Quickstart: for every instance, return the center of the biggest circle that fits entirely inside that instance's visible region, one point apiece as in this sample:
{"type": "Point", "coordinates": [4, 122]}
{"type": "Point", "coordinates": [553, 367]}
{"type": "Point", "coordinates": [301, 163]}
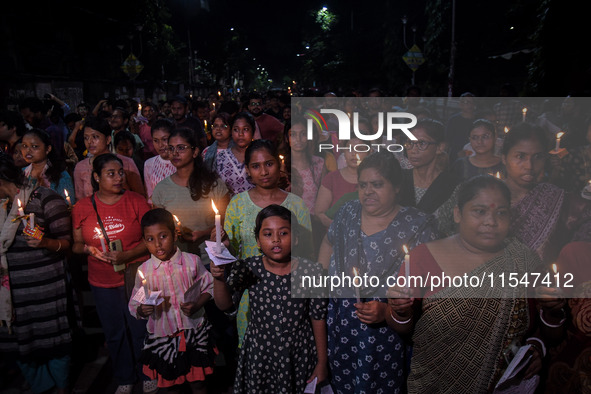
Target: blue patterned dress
{"type": "Point", "coordinates": [369, 358]}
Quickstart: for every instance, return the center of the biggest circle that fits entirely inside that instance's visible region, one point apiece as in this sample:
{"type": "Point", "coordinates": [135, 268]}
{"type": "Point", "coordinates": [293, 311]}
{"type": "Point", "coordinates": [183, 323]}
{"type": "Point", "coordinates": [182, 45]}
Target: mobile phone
{"type": "Point", "coordinates": [117, 246]}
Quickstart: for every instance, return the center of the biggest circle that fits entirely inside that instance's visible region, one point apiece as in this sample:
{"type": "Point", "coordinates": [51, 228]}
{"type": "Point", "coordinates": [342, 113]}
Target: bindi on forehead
{"type": "Point", "coordinates": [493, 205]}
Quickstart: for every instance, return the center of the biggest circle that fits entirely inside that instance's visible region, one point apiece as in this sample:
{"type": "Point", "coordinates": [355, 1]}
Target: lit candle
{"type": "Point", "coordinates": [144, 283]}
{"type": "Point", "coordinates": [558, 137]}
{"type": "Point", "coordinates": [68, 198]}
{"type": "Point", "coordinates": [219, 94]}
{"type": "Point", "coordinates": [555, 268]}
{"type": "Point", "coordinates": [358, 158]}
{"type": "Point", "coordinates": [406, 264]}
{"type": "Point", "coordinates": [524, 113]}
{"type": "Point", "coordinates": [356, 273]}
{"type": "Point", "coordinates": [218, 229]}
{"type": "Point", "coordinates": [282, 158]}
{"type": "Point", "coordinates": [506, 129]}
{"type": "Point", "coordinates": [205, 125]}
{"type": "Point", "coordinates": [213, 106]}
{"type": "Point", "coordinates": [21, 212]}
{"type": "Point", "coordinates": [139, 109]}
{"type": "Point", "coordinates": [178, 222]}
{"type": "Point", "coordinates": [498, 175]}
{"type": "Point", "coordinates": [102, 238]}
{"type": "Point", "coordinates": [32, 220]}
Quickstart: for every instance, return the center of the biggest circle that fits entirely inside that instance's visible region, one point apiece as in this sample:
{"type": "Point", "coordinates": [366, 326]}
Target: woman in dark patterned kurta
{"type": "Point", "coordinates": [35, 280]}
{"type": "Point", "coordinates": [365, 355]}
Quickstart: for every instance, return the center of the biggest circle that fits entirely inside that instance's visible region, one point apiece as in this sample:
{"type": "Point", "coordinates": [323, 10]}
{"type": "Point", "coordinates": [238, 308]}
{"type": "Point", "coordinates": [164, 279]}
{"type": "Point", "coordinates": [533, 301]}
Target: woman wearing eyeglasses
{"type": "Point", "coordinates": [222, 135]}
{"type": "Point", "coordinates": [188, 192]}
{"type": "Point", "coordinates": [482, 138]}
{"type": "Point", "coordinates": [428, 184]}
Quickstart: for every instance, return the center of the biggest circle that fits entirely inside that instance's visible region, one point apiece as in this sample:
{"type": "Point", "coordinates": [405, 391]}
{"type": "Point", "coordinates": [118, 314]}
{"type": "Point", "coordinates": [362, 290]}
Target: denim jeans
{"type": "Point", "coordinates": [124, 333]}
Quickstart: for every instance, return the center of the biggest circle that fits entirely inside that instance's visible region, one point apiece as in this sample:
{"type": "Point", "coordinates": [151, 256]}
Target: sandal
{"type": "Point", "coordinates": [150, 386]}
{"type": "Point", "coordinates": [124, 389]}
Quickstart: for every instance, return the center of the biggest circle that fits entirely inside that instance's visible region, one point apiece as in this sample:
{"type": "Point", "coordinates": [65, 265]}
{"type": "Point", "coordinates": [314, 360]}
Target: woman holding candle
{"type": "Point", "coordinates": [229, 163]}
{"type": "Point", "coordinates": [34, 327]}
{"type": "Point", "coordinates": [97, 138]}
{"type": "Point", "coordinates": [188, 192]}
{"type": "Point", "coordinates": [120, 213]}
{"type": "Point", "coordinates": [45, 167]}
{"type": "Point", "coordinates": [464, 335]}
{"type": "Point", "coordinates": [369, 234]}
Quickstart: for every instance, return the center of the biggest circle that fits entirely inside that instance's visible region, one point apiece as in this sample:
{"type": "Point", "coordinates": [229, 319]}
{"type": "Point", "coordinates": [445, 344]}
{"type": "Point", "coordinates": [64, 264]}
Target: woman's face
{"type": "Point", "coordinates": [421, 158]}
{"type": "Point", "coordinates": [242, 133]}
{"type": "Point", "coordinates": [298, 140]}
{"type": "Point", "coordinates": [525, 162]}
{"type": "Point", "coordinates": [376, 194]}
{"type": "Point", "coordinates": [220, 130]}
{"type": "Point", "coordinates": [111, 178]}
{"type": "Point", "coordinates": [33, 149]}
{"type": "Point", "coordinates": [96, 142]}
{"type": "Point", "coordinates": [263, 169]}
{"type": "Point", "coordinates": [354, 158]}
{"type": "Point", "coordinates": [482, 140]}
{"type": "Point", "coordinates": [485, 220]}
{"type": "Point", "coordinates": [181, 153]}
{"type": "Point", "coordinates": [160, 141]}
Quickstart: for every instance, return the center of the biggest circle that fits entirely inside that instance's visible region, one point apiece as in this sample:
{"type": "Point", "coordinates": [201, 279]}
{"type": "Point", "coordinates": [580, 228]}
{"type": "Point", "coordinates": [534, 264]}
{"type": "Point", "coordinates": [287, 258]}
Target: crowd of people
{"type": "Point", "coordinates": [134, 190]}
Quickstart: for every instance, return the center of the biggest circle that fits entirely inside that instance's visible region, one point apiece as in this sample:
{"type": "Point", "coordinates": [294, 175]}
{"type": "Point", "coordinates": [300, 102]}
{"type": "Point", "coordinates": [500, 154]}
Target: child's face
{"type": "Point", "coordinates": [275, 239]}
{"type": "Point", "coordinates": [160, 241]}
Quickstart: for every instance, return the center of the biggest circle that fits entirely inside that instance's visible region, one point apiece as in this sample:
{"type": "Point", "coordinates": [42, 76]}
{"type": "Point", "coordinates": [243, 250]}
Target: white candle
{"type": "Point", "coordinates": [558, 137]}
{"type": "Point", "coordinates": [21, 212]}
{"type": "Point", "coordinates": [218, 229]}
{"type": "Point", "coordinates": [139, 109]}
{"type": "Point", "coordinates": [144, 283]}
{"type": "Point", "coordinates": [102, 238]}
{"type": "Point", "coordinates": [68, 198]}
{"type": "Point", "coordinates": [555, 268]}
{"type": "Point", "coordinates": [406, 265]}
{"type": "Point", "coordinates": [205, 125]}
{"type": "Point", "coordinates": [356, 273]}
{"type": "Point", "coordinates": [524, 113]}
{"type": "Point", "coordinates": [32, 220]}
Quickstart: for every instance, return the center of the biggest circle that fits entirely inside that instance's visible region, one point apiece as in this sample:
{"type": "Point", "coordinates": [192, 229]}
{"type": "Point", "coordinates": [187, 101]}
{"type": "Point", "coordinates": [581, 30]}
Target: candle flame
{"type": "Point", "coordinates": [405, 249]}
{"type": "Point", "coordinates": [559, 135]}
{"type": "Point", "coordinates": [281, 157]}
{"type": "Point", "coordinates": [141, 274]}
{"type": "Point", "coordinates": [355, 272]}
{"type": "Point", "coordinates": [524, 110]}
{"type": "Point", "coordinates": [19, 202]}
{"type": "Point", "coordinates": [176, 219]}
{"type": "Point", "coordinates": [139, 107]}
{"type": "Point", "coordinates": [555, 268]}
{"type": "Point", "coordinates": [66, 192]}
{"type": "Point", "coordinates": [506, 129]}
{"type": "Point", "coordinates": [98, 232]}
{"type": "Point", "coordinates": [214, 208]}
{"type": "Point", "coordinates": [219, 93]}
{"type": "Point", "coordinates": [498, 175]}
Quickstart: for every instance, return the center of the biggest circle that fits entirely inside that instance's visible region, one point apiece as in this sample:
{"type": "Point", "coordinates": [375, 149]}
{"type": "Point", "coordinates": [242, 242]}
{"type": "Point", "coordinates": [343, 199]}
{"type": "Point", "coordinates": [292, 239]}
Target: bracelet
{"type": "Point", "coordinates": [560, 323]}
{"type": "Point", "coordinates": [538, 340]}
{"type": "Point", "coordinates": [398, 321]}
{"type": "Point", "coordinates": [60, 245]}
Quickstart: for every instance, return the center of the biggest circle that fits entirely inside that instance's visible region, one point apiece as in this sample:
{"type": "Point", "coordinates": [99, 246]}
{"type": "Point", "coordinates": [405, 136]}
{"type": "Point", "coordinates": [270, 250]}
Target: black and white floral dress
{"type": "Point", "coordinates": [279, 352]}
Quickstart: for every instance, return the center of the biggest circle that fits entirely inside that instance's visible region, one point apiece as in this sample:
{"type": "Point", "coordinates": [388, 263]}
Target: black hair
{"type": "Point", "coordinates": [124, 135]}
{"type": "Point", "coordinates": [200, 104]}
{"type": "Point", "coordinates": [275, 210]}
{"type": "Point", "coordinates": [258, 145]}
{"type": "Point", "coordinates": [9, 172]}
{"type": "Point", "coordinates": [386, 164]}
{"type": "Point", "coordinates": [56, 164]}
{"type": "Point", "coordinates": [162, 124]}
{"type": "Point", "coordinates": [72, 117]}
{"type": "Point", "coordinates": [434, 129]}
{"type": "Point", "coordinates": [255, 96]}
{"type": "Point", "coordinates": [230, 107]}
{"type": "Point", "coordinates": [13, 119]}
{"type": "Point", "coordinates": [486, 124]}
{"type": "Point", "coordinates": [224, 116]}
{"type": "Point", "coordinates": [179, 99]}
{"type": "Point", "coordinates": [201, 180]}
{"type": "Point", "coordinates": [98, 164]}
{"type": "Point", "coordinates": [124, 112]}
{"type": "Point", "coordinates": [34, 104]}
{"type": "Point", "coordinates": [523, 132]}
{"type": "Point", "coordinates": [158, 216]}
{"type": "Point", "coordinates": [99, 124]}
{"type": "Point", "coordinates": [470, 189]}
{"type": "Point", "coordinates": [248, 118]}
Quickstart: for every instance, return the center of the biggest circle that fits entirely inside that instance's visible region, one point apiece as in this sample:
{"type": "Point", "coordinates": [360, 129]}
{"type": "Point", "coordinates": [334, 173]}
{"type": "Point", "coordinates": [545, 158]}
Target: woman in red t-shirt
{"type": "Point", "coordinates": [120, 212]}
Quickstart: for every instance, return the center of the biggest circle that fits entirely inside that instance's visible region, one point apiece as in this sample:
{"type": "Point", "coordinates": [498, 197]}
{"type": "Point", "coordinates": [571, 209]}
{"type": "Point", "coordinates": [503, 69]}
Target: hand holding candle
{"type": "Point", "coordinates": [102, 238]}
{"type": "Point", "coordinates": [406, 265]}
{"type": "Point", "coordinates": [178, 223]}
{"type": "Point", "coordinates": [218, 229]}
{"type": "Point", "coordinates": [21, 212]}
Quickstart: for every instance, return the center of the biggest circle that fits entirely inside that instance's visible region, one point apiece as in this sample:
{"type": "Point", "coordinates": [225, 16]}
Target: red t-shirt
{"type": "Point", "coordinates": [122, 221]}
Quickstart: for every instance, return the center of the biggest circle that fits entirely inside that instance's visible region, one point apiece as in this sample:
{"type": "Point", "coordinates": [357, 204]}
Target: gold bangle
{"type": "Point", "coordinates": [59, 247]}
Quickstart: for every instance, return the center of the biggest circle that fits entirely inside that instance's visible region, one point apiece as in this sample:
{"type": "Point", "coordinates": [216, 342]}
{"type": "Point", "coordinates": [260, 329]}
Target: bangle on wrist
{"type": "Point", "coordinates": [59, 243]}
{"type": "Point", "coordinates": [542, 347]}
{"type": "Point", "coordinates": [560, 323]}
{"type": "Point", "coordinates": [398, 321]}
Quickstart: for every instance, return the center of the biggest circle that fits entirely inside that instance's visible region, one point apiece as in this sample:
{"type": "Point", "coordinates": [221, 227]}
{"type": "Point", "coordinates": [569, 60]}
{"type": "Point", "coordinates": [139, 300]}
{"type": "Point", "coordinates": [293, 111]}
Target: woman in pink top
{"type": "Point", "coordinates": [97, 137]}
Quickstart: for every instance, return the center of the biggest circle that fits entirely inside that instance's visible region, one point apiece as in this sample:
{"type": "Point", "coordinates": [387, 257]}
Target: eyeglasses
{"type": "Point", "coordinates": [422, 145]}
{"type": "Point", "coordinates": [179, 148]}
{"type": "Point", "coordinates": [484, 137]}
{"type": "Point", "coordinates": [220, 126]}
{"type": "Point", "coordinates": [255, 104]}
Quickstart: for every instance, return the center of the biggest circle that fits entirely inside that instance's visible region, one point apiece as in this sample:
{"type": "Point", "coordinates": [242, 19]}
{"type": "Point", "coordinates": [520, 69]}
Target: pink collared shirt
{"type": "Point", "coordinates": [173, 278]}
